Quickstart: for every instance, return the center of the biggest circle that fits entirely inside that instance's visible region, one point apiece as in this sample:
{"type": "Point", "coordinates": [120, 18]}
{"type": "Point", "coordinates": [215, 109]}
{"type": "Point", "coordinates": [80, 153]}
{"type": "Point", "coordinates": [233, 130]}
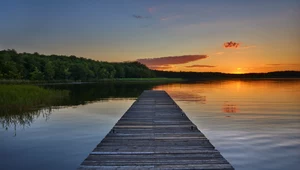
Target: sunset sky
{"type": "Point", "coordinates": [188, 35]}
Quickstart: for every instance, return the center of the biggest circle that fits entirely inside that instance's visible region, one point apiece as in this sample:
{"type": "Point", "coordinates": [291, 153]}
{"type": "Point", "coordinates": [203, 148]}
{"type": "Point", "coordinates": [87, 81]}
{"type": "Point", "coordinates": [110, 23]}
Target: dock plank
{"type": "Point", "coordinates": [154, 133]}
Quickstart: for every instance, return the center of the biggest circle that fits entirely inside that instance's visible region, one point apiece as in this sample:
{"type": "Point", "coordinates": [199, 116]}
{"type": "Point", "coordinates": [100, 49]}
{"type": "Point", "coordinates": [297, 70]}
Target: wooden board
{"type": "Point", "coordinates": [155, 133]}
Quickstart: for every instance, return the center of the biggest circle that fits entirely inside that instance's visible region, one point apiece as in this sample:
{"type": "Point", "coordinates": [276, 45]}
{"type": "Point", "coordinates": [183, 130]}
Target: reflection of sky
{"type": "Point", "coordinates": [264, 133]}
{"type": "Point", "coordinates": [250, 95]}
{"type": "Point", "coordinates": [63, 140]}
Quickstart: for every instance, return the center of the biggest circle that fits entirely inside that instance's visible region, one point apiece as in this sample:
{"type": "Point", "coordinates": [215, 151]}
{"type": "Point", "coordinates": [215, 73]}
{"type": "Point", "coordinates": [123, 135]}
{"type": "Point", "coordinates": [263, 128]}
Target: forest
{"type": "Point", "coordinates": [39, 67]}
{"type": "Point", "coordinates": [26, 66]}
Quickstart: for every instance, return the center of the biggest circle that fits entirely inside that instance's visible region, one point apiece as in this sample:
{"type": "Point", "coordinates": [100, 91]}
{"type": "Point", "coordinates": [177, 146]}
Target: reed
{"type": "Point", "coordinates": [19, 98]}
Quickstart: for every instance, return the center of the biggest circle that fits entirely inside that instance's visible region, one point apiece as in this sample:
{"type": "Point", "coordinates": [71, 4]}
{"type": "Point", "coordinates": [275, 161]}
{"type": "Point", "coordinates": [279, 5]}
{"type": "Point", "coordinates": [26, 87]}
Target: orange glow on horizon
{"type": "Point", "coordinates": [236, 70]}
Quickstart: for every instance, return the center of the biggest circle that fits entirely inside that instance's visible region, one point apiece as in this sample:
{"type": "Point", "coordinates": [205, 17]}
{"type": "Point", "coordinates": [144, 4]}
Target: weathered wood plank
{"type": "Point", "coordinates": [154, 133]}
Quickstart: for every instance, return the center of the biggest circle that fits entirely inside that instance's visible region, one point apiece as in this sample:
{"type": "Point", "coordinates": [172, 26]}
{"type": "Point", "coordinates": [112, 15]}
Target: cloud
{"type": "Point", "coordinates": [140, 17]}
{"type": "Point", "coordinates": [171, 60]}
{"type": "Point", "coordinates": [162, 67]}
{"type": "Point", "coordinates": [282, 64]}
{"type": "Point", "coordinates": [199, 66]}
{"type": "Point", "coordinates": [237, 45]}
{"type": "Point", "coordinates": [247, 47]}
{"type": "Point", "coordinates": [274, 64]}
{"type": "Point", "coordinates": [231, 44]}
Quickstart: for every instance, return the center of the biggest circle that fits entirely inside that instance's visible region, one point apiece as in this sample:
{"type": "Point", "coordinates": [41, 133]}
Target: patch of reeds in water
{"type": "Point", "coordinates": [25, 97]}
{"type": "Point", "coordinates": [20, 104]}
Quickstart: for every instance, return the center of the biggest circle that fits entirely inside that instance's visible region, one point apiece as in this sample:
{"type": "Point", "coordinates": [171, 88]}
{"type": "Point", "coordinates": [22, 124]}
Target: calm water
{"type": "Point", "coordinates": [254, 124]}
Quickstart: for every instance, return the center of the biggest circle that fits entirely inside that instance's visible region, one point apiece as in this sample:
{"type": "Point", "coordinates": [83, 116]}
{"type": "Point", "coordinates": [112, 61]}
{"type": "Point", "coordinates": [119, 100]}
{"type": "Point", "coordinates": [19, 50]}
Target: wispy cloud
{"type": "Point", "coordinates": [274, 64]}
{"type": "Point", "coordinates": [199, 66]}
{"type": "Point", "coordinates": [231, 44]}
{"type": "Point", "coordinates": [237, 45]}
{"type": "Point", "coordinates": [247, 47]}
{"type": "Point", "coordinates": [277, 64]}
{"type": "Point", "coordinates": [162, 67]}
{"type": "Point", "coordinates": [140, 17]}
{"type": "Point", "coordinates": [171, 60]}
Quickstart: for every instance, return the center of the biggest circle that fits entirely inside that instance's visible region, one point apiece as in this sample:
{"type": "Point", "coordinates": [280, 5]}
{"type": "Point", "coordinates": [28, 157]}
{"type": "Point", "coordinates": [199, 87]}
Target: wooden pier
{"type": "Point", "coordinates": [155, 133]}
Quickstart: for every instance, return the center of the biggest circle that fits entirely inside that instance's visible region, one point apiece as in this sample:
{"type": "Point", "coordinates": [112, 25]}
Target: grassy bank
{"type": "Point", "coordinates": [19, 98]}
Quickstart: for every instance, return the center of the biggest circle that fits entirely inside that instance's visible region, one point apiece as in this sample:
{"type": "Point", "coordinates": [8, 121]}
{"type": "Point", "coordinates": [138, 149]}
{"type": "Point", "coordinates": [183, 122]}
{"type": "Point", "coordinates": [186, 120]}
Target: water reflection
{"type": "Point", "coordinates": [23, 119]}
{"type": "Point", "coordinates": [263, 133]}
{"type": "Point", "coordinates": [227, 94]}
{"type": "Point", "coordinates": [80, 94]}
{"type": "Point", "coordinates": [198, 99]}
{"type": "Point", "coordinates": [255, 124]}
{"type": "Point", "coordinates": [184, 92]}
{"type": "Point", "coordinates": [229, 108]}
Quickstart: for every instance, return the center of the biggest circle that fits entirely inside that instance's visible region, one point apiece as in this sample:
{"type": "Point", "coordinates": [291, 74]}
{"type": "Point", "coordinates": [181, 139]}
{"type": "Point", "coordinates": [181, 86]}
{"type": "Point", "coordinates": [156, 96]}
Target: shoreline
{"type": "Point", "coordinates": [143, 80]}
{"type": "Point", "coordinates": [133, 80]}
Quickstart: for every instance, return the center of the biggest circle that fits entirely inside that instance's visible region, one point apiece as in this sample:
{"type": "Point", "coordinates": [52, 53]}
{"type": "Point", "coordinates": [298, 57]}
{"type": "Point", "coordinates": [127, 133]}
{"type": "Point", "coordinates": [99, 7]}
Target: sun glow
{"type": "Point", "coordinates": [239, 70]}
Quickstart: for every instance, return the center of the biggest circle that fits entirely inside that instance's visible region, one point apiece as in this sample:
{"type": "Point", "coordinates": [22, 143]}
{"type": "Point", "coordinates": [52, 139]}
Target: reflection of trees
{"type": "Point", "coordinates": [229, 108]}
{"type": "Point", "coordinates": [79, 94]}
{"type": "Point", "coordinates": [86, 93]}
{"type": "Point", "coordinates": [18, 117]}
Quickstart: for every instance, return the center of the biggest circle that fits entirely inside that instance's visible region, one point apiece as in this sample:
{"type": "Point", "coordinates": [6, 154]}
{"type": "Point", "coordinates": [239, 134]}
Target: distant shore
{"type": "Point", "coordinates": [139, 80]}
{"type": "Point", "coordinates": [162, 80]}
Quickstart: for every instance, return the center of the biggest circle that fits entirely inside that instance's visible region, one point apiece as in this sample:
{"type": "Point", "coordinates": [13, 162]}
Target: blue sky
{"type": "Point", "coordinates": [108, 30]}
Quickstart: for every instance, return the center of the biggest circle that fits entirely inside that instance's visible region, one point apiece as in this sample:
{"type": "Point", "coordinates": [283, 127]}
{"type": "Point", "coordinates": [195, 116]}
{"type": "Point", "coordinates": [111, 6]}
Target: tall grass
{"type": "Point", "coordinates": [18, 98]}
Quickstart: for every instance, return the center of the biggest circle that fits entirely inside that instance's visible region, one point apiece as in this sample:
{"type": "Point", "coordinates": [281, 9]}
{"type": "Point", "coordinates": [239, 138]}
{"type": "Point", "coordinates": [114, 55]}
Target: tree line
{"type": "Point", "coordinates": [27, 66]}
{"type": "Point", "coordinates": [218, 75]}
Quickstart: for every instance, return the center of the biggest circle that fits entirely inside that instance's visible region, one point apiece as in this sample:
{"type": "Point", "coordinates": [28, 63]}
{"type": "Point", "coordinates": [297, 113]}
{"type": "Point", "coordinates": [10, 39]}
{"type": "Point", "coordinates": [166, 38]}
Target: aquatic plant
{"type": "Point", "coordinates": [22, 104]}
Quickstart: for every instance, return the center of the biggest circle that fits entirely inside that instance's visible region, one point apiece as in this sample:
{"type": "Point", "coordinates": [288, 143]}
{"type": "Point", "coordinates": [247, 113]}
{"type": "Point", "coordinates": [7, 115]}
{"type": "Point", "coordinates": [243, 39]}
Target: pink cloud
{"type": "Point", "coordinates": [199, 66]}
{"type": "Point", "coordinates": [283, 64]}
{"type": "Point", "coordinates": [171, 60]}
{"type": "Point", "coordinates": [237, 45]}
{"type": "Point", "coordinates": [231, 44]}
{"type": "Point", "coordinates": [161, 67]}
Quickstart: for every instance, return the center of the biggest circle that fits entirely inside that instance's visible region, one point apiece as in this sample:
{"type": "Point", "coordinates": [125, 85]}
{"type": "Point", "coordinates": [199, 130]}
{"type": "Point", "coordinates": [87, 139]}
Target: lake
{"type": "Point", "coordinates": [255, 124]}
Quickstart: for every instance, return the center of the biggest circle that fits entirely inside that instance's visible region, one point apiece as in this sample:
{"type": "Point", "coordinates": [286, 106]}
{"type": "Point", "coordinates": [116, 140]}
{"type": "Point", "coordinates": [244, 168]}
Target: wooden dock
{"type": "Point", "coordinates": [155, 133]}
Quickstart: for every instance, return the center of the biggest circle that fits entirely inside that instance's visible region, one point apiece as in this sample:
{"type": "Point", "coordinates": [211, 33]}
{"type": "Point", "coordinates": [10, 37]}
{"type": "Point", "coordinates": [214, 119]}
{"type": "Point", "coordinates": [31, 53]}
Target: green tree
{"type": "Point", "coordinates": [49, 71]}
{"type": "Point", "coordinates": [36, 75]}
{"type": "Point", "coordinates": [36, 66]}
{"type": "Point", "coordinates": [120, 71]}
{"type": "Point", "coordinates": [78, 72]}
{"type": "Point", "coordinates": [67, 73]}
{"type": "Point", "coordinates": [10, 70]}
{"type": "Point", "coordinates": [103, 73]}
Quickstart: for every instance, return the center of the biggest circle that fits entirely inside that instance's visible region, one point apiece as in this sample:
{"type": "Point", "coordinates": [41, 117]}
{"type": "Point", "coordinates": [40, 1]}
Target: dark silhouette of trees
{"type": "Point", "coordinates": [218, 75]}
{"type": "Point", "coordinates": [36, 66]}
{"type": "Point", "coordinates": [26, 66]}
